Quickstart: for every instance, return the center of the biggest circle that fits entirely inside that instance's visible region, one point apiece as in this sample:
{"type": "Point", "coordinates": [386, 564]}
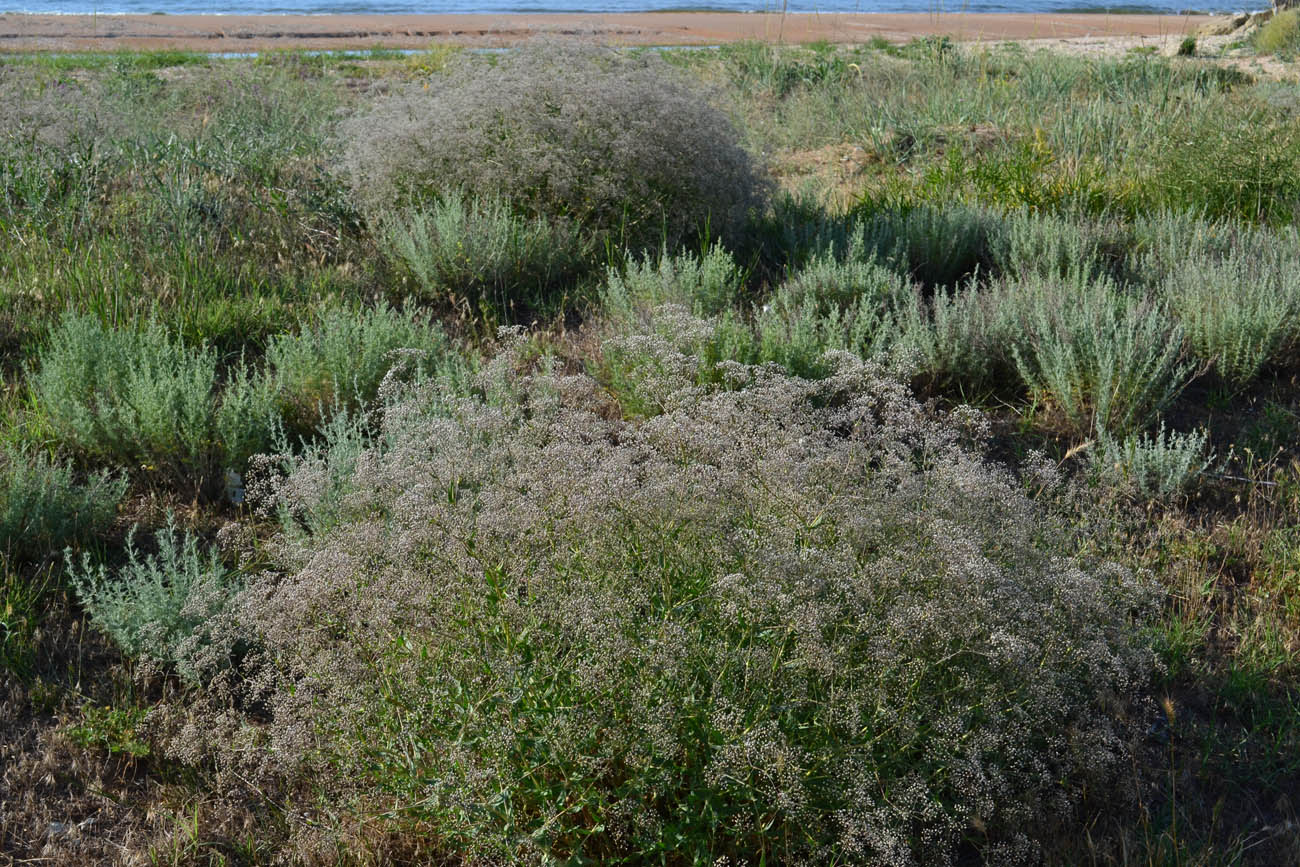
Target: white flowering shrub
{"type": "Point", "coordinates": [782, 621]}
{"type": "Point", "coordinates": [617, 143]}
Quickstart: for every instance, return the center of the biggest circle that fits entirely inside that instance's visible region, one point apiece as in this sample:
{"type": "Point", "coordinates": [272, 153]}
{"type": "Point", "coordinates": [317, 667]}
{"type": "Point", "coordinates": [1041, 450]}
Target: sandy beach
{"type": "Point", "coordinates": [242, 33]}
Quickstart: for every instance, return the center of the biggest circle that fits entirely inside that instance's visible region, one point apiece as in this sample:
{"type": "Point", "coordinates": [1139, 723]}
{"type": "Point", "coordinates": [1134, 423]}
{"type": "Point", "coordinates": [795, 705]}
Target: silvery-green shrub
{"type": "Point", "coordinates": [340, 358]}
{"type": "Point", "coordinates": [1241, 312]}
{"type": "Point", "coordinates": [1161, 465]}
{"type": "Point", "coordinates": [173, 608]}
{"type": "Point", "coordinates": [477, 253]}
{"type": "Point", "coordinates": [705, 285]}
{"type": "Point", "coordinates": [44, 506]}
{"type": "Point", "coordinates": [142, 398]}
{"type": "Point", "coordinates": [1105, 360]}
{"type": "Point", "coordinates": [782, 620]}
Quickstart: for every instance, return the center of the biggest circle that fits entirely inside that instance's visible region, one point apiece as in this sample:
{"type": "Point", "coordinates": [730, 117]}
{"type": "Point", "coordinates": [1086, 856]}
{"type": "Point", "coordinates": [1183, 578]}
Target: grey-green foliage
{"type": "Point", "coordinates": [620, 143]}
{"type": "Point", "coordinates": [45, 506]}
{"type": "Point", "coordinates": [835, 303]}
{"type": "Point", "coordinates": [174, 608]}
{"type": "Point", "coordinates": [961, 339]}
{"type": "Point", "coordinates": [477, 251]}
{"type": "Point", "coordinates": [316, 501]}
{"type": "Point", "coordinates": [1240, 312]}
{"type": "Point", "coordinates": [705, 285]}
{"type": "Point", "coordinates": [141, 397]}
{"type": "Point", "coordinates": [342, 356]}
{"type": "Point", "coordinates": [936, 246]}
{"type": "Point", "coordinates": [1155, 466]}
{"type": "Point", "coordinates": [1027, 244]}
{"type": "Point", "coordinates": [1105, 360]}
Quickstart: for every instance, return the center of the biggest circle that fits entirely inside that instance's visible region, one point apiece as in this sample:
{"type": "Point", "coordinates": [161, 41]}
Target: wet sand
{"type": "Point", "coordinates": [239, 33]}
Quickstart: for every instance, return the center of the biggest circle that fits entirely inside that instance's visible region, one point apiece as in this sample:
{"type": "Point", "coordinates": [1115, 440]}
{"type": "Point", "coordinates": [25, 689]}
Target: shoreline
{"type": "Point", "coordinates": [22, 32]}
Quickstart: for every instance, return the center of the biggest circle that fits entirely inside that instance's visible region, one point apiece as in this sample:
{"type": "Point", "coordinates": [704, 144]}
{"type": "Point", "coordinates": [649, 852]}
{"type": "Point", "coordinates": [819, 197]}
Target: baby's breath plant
{"type": "Point", "coordinates": [620, 144]}
{"type": "Point", "coordinates": [781, 621]}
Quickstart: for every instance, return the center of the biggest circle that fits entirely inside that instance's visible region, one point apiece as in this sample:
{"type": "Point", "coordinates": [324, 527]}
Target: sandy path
{"type": "Point", "coordinates": [267, 32]}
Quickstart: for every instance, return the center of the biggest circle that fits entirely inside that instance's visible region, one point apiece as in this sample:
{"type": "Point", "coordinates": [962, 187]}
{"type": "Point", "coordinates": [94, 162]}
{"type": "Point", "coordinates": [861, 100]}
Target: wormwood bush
{"type": "Point", "coordinates": [620, 144]}
{"type": "Point", "coordinates": [706, 285]}
{"type": "Point", "coordinates": [1151, 467]}
{"type": "Point", "coordinates": [786, 621]}
{"type": "Point", "coordinates": [144, 399]}
{"type": "Point", "coordinates": [480, 253]}
{"type": "Point", "coordinates": [340, 358]}
{"type": "Point", "coordinates": [832, 304]}
{"type": "Point", "coordinates": [936, 246]}
{"type": "Point", "coordinates": [1027, 244]}
{"type": "Point", "coordinates": [173, 608]}
{"type": "Point", "coordinates": [1106, 361]}
{"type": "Point", "coordinates": [43, 506]}
{"type": "Point", "coordinates": [962, 339]}
{"type": "Point", "coordinates": [1239, 313]}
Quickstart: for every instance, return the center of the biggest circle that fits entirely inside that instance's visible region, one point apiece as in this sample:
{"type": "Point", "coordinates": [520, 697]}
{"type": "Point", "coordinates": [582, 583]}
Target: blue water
{"type": "Point", "coordinates": [342, 7]}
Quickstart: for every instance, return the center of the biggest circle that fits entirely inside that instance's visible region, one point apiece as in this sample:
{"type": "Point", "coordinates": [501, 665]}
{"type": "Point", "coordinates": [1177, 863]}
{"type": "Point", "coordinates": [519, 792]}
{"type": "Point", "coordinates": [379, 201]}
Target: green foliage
{"type": "Point", "coordinates": [935, 246]}
{"type": "Point", "coordinates": [173, 608]}
{"type": "Point", "coordinates": [1025, 244]}
{"type": "Point", "coordinates": [1105, 361]}
{"type": "Point", "coordinates": [706, 285]}
{"type": "Point", "coordinates": [962, 339]}
{"type": "Point", "coordinates": [1240, 313]}
{"type": "Point", "coordinates": [1155, 467]}
{"type": "Point", "coordinates": [1280, 35]}
{"type": "Point", "coordinates": [45, 507]}
{"type": "Point", "coordinates": [116, 730]}
{"type": "Point", "coordinates": [22, 605]}
{"type": "Point", "coordinates": [832, 304]}
{"type": "Point", "coordinates": [481, 255]}
{"type": "Point", "coordinates": [1242, 162]}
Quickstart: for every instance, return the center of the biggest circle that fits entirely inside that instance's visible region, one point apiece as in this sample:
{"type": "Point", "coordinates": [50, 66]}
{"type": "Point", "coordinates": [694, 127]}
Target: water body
{"type": "Point", "coordinates": [372, 7]}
